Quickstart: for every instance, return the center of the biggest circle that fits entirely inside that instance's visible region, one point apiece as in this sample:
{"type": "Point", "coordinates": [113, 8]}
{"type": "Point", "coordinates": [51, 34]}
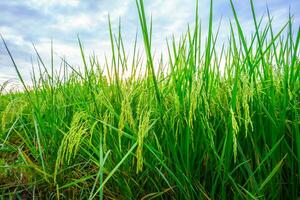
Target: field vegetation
{"type": "Point", "coordinates": [209, 120]}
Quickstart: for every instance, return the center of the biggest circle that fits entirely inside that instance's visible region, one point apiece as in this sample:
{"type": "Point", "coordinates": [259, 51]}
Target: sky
{"type": "Point", "coordinates": [23, 23]}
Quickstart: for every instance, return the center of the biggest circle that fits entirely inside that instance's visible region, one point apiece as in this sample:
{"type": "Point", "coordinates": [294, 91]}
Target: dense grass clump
{"type": "Point", "coordinates": [206, 123]}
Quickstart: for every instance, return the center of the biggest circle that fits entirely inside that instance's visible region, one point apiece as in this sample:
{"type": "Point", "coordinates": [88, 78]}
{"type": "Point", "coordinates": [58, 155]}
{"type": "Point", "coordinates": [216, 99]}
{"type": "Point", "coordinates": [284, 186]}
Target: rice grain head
{"type": "Point", "coordinates": [13, 110]}
{"type": "Point", "coordinates": [247, 94]}
{"type": "Point", "coordinates": [235, 129]}
{"type": "Point", "coordinates": [72, 139]}
{"type": "Point", "coordinates": [142, 133]}
{"type": "Point", "coordinates": [125, 117]}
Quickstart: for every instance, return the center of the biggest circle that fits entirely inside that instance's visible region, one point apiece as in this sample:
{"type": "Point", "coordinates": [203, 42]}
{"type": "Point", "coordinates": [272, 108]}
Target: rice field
{"type": "Point", "coordinates": [201, 122]}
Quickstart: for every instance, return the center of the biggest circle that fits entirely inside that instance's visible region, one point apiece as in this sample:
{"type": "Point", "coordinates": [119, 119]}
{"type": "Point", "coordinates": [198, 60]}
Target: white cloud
{"type": "Point", "coordinates": [49, 3]}
{"type": "Point", "coordinates": [118, 11]}
{"type": "Point", "coordinates": [71, 23]}
{"type": "Point", "coordinates": [88, 20]}
{"type": "Point", "coordinates": [12, 35]}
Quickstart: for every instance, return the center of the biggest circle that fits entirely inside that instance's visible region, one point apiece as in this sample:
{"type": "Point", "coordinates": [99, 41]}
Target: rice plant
{"type": "Point", "coordinates": [189, 128]}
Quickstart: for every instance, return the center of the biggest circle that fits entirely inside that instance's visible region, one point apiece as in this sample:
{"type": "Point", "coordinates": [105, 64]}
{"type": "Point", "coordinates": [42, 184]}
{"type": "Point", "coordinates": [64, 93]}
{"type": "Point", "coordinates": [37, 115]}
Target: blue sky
{"type": "Point", "coordinates": [38, 21]}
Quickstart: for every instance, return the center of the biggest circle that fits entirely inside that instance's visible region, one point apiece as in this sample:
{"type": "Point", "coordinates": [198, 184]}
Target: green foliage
{"type": "Point", "coordinates": [189, 128]}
